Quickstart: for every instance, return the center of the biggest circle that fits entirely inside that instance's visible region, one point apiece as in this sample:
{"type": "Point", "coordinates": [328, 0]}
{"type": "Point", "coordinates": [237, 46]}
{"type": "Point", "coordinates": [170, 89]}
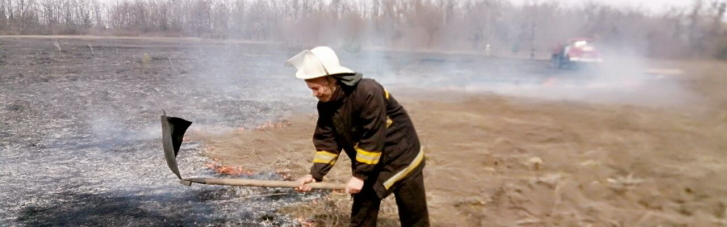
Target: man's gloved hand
{"type": "Point", "coordinates": [304, 183]}
{"type": "Point", "coordinates": [354, 185]}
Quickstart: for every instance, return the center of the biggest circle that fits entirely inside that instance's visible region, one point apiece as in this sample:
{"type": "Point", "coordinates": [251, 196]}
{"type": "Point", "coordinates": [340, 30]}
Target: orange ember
{"type": "Point", "coordinates": [305, 222]}
{"type": "Point", "coordinates": [228, 170]}
{"type": "Point", "coordinates": [272, 125]}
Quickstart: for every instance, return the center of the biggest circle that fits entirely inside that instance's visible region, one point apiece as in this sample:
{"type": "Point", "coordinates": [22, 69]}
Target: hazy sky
{"type": "Point", "coordinates": [652, 5]}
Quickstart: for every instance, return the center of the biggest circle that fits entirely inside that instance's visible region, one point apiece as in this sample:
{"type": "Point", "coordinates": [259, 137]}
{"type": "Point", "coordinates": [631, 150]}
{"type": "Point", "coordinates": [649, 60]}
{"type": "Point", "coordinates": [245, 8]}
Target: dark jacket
{"type": "Point", "coordinates": [364, 120]}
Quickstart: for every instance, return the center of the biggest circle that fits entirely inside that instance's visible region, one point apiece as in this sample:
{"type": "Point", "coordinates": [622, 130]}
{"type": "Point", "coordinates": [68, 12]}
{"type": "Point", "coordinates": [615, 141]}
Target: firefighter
{"type": "Point", "coordinates": [357, 115]}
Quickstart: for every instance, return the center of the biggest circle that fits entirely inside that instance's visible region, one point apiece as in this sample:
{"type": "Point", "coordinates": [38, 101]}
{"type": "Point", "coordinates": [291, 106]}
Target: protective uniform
{"type": "Point", "coordinates": [365, 121]}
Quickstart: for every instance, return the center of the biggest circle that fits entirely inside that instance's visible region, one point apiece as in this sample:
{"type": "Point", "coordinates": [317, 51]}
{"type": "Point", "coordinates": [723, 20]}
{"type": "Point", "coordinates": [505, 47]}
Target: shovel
{"type": "Point", "coordinates": [173, 129]}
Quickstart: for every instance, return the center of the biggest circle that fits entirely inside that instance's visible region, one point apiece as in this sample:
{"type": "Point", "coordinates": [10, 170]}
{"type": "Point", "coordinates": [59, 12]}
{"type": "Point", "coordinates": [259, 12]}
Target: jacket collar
{"type": "Point", "coordinates": [346, 83]}
{"type": "Point", "coordinates": [348, 79]}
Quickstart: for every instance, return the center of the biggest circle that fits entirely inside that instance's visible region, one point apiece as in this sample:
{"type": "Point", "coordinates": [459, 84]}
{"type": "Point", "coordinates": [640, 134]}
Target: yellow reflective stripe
{"type": "Point", "coordinates": [388, 121]}
{"type": "Point", "coordinates": [325, 157]}
{"type": "Point", "coordinates": [371, 160]}
{"type": "Point", "coordinates": [368, 157]}
{"type": "Point", "coordinates": [403, 173]}
{"type": "Point", "coordinates": [386, 93]}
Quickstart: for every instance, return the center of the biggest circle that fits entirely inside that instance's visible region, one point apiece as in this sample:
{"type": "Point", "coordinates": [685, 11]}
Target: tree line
{"type": "Point", "coordinates": [468, 25]}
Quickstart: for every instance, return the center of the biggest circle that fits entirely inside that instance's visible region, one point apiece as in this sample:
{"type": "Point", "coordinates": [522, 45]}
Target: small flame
{"type": "Point", "coordinates": [272, 125]}
{"type": "Point", "coordinates": [286, 174]}
{"type": "Point", "coordinates": [305, 222]}
{"type": "Point", "coordinates": [228, 170]}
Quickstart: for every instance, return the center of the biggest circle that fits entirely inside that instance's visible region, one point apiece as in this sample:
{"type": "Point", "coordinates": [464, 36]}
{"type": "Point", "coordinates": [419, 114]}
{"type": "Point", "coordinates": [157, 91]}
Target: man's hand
{"type": "Point", "coordinates": [303, 182]}
{"type": "Point", "coordinates": [354, 185]}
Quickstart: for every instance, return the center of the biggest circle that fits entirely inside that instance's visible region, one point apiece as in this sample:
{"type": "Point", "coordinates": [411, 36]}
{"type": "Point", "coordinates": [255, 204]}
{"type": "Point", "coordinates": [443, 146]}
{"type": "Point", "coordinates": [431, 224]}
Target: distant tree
{"type": "Point", "coordinates": [98, 15]}
{"type": "Point", "coordinates": [717, 22]}
{"type": "Point", "coordinates": [695, 35]}
{"type": "Point", "coordinates": [432, 24]}
{"type": "Point", "coordinates": [3, 16]}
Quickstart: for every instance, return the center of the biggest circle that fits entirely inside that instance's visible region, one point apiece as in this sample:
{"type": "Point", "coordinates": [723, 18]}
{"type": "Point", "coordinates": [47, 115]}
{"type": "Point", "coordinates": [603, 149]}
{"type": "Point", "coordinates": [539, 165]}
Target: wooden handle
{"type": "Point", "coordinates": [260, 183]}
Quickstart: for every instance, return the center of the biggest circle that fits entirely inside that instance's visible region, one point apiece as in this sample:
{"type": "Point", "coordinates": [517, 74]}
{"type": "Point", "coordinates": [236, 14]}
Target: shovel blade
{"type": "Point", "coordinates": [173, 129]}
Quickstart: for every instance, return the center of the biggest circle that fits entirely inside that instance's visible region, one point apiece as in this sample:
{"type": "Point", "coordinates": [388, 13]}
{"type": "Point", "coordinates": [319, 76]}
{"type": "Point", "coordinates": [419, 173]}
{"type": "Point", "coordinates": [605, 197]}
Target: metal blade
{"type": "Point", "coordinates": [173, 130]}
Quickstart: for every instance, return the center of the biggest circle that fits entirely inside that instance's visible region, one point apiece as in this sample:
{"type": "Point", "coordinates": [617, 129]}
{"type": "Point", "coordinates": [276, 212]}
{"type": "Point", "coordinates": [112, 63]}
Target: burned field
{"type": "Point", "coordinates": [80, 131]}
{"type": "Point", "coordinates": [80, 136]}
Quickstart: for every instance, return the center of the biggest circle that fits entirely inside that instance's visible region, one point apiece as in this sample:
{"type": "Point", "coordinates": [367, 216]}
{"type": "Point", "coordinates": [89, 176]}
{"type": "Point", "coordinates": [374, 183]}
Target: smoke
{"type": "Point", "coordinates": [237, 84]}
{"type": "Point", "coordinates": [110, 128]}
{"type": "Point", "coordinates": [475, 47]}
{"type": "Point", "coordinates": [624, 77]}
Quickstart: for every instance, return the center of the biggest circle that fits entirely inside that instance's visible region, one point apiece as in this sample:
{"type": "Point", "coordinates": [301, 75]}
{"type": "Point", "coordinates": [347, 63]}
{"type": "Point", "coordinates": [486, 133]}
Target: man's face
{"type": "Point", "coordinates": [321, 88]}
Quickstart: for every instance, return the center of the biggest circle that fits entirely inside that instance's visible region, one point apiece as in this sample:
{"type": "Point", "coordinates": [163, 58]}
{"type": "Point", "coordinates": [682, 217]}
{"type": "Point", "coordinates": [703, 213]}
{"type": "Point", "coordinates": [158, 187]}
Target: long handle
{"type": "Point", "coordinates": [260, 183]}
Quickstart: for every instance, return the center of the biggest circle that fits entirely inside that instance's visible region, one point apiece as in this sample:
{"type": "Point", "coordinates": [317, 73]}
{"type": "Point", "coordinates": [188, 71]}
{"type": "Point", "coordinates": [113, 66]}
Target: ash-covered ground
{"type": "Point", "coordinates": [80, 131]}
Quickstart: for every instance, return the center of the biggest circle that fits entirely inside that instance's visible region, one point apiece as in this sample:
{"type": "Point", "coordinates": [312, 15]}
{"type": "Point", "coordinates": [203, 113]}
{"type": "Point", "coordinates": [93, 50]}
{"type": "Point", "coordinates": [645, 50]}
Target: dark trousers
{"type": "Point", "coordinates": [410, 199]}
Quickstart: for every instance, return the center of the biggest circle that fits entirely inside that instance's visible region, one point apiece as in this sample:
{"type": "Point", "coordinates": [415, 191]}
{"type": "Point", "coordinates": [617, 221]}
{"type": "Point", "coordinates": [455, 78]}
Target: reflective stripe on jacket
{"type": "Point", "coordinates": [373, 129]}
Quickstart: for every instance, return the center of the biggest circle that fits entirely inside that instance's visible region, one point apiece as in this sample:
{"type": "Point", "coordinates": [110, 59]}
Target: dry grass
{"type": "Point", "coordinates": [334, 210]}
{"type": "Point", "coordinates": [285, 147]}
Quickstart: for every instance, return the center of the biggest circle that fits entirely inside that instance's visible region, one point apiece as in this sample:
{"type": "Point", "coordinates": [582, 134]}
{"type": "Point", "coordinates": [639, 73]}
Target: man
{"type": "Point", "coordinates": [359, 116]}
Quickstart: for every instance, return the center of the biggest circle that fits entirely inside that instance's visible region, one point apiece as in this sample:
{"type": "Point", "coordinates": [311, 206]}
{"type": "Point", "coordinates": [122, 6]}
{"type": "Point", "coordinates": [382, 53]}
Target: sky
{"type": "Point", "coordinates": [655, 6]}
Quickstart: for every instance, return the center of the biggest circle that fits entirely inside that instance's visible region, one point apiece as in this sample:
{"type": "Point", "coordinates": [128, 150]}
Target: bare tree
{"type": "Point", "coordinates": [3, 16]}
{"type": "Point", "coordinates": [719, 9]}
{"type": "Point", "coordinates": [11, 14]}
{"type": "Point", "coordinates": [98, 12]}
{"type": "Point", "coordinates": [423, 14]}
{"type": "Point", "coordinates": [434, 24]}
{"type": "Point", "coordinates": [25, 13]}
{"type": "Point", "coordinates": [695, 37]}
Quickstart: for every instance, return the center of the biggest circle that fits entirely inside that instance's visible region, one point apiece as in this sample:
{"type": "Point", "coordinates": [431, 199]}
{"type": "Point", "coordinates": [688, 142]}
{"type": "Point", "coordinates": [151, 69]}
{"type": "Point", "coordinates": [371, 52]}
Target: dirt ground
{"type": "Point", "coordinates": [505, 161]}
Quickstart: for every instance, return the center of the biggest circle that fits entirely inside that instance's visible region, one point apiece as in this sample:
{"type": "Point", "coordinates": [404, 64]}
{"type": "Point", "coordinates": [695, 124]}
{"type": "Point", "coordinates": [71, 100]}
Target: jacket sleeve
{"type": "Point", "coordinates": [373, 122]}
{"type": "Point", "coordinates": [327, 149]}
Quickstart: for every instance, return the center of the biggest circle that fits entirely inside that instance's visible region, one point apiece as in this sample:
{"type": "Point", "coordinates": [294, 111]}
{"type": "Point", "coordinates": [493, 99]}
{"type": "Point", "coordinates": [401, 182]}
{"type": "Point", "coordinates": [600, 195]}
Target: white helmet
{"type": "Point", "coordinates": [317, 62]}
